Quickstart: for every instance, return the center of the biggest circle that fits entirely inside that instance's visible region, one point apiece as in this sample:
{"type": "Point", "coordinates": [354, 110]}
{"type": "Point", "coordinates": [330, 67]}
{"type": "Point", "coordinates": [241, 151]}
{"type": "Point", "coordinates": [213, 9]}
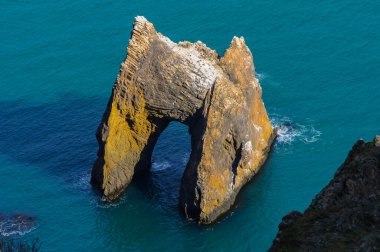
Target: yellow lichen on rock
{"type": "Point", "coordinates": [219, 98]}
{"type": "Point", "coordinates": [124, 138]}
{"type": "Point", "coordinates": [237, 135]}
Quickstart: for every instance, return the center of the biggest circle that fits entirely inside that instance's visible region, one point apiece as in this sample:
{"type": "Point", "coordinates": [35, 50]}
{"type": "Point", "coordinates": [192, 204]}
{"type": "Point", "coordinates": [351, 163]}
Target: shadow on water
{"type": "Point", "coordinates": [60, 138]}
{"type": "Point", "coordinates": [57, 136]}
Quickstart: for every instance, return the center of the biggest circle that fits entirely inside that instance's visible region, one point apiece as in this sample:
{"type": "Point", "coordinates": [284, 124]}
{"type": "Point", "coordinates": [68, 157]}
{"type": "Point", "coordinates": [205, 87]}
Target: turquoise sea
{"type": "Point", "coordinates": [319, 67]}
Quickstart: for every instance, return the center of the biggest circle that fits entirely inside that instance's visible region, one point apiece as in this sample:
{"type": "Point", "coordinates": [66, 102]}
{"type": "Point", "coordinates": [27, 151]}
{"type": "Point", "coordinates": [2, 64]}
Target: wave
{"type": "Point", "coordinates": [260, 76]}
{"type": "Point", "coordinates": [160, 166]}
{"type": "Point", "coordinates": [16, 224]}
{"type": "Point", "coordinates": [104, 204]}
{"type": "Point", "coordinates": [290, 131]}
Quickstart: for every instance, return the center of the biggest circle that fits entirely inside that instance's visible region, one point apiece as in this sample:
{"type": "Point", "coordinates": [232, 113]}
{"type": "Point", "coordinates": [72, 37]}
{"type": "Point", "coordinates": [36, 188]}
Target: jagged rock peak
{"type": "Point", "coordinates": [218, 98]}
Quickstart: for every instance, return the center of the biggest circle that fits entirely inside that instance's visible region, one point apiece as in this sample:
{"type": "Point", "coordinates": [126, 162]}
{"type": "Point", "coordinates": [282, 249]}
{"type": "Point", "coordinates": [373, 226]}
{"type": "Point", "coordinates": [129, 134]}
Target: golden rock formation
{"type": "Point", "coordinates": [219, 99]}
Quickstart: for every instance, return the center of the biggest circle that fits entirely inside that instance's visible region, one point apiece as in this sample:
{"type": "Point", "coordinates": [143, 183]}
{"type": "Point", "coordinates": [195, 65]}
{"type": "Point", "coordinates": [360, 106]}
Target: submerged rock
{"type": "Point", "coordinates": [16, 224]}
{"type": "Point", "coordinates": [345, 215]}
{"type": "Point", "coordinates": [218, 98]}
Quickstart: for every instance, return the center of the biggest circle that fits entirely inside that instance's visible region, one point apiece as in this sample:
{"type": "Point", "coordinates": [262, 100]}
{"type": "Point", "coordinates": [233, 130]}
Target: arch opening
{"type": "Point", "coordinates": [219, 99]}
{"type": "Point", "coordinates": [162, 180]}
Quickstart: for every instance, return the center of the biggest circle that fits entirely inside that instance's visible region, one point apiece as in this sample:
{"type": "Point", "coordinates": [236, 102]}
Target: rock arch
{"type": "Point", "coordinates": [218, 98]}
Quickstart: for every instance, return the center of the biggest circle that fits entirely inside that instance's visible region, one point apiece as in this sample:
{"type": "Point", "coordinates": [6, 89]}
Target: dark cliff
{"type": "Point", "coordinates": [345, 215]}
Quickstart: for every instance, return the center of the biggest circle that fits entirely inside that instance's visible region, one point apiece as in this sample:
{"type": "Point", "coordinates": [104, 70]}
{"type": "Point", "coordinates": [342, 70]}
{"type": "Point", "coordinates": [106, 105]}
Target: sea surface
{"type": "Point", "coordinates": [319, 66]}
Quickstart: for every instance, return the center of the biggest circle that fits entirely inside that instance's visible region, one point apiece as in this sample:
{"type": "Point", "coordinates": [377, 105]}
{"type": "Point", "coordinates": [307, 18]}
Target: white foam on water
{"type": "Point", "coordinates": [19, 227]}
{"type": "Point", "coordinates": [82, 182]}
{"type": "Point", "coordinates": [106, 205]}
{"type": "Point", "coordinates": [160, 166]}
{"type": "Point", "coordinates": [260, 76]}
{"type": "Point", "coordinates": [100, 203]}
{"type": "Point", "coordinates": [290, 131]}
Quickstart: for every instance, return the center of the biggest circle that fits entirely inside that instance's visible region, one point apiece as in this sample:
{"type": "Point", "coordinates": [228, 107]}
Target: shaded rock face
{"type": "Point", "coordinates": [345, 215]}
{"type": "Point", "coordinates": [219, 99]}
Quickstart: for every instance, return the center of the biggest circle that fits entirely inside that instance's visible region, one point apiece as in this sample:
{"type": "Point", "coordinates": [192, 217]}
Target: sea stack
{"type": "Point", "coordinates": [345, 215]}
{"type": "Point", "coordinates": [218, 98]}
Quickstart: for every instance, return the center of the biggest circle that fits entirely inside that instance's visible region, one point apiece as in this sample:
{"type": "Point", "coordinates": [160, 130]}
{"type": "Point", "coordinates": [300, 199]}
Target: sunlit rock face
{"type": "Point", "coordinates": [218, 98]}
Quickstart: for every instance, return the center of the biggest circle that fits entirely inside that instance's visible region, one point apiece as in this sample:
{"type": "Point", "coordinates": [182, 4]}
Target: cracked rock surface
{"type": "Point", "coordinates": [217, 97]}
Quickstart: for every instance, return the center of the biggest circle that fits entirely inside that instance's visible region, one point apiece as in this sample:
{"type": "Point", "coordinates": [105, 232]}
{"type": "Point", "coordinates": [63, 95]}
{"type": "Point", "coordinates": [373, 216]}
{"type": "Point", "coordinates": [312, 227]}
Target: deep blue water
{"type": "Point", "coordinates": [318, 62]}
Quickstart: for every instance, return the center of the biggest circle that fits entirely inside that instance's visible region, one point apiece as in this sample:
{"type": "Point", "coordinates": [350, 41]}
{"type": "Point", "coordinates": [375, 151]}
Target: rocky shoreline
{"type": "Point", "coordinates": [345, 215]}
